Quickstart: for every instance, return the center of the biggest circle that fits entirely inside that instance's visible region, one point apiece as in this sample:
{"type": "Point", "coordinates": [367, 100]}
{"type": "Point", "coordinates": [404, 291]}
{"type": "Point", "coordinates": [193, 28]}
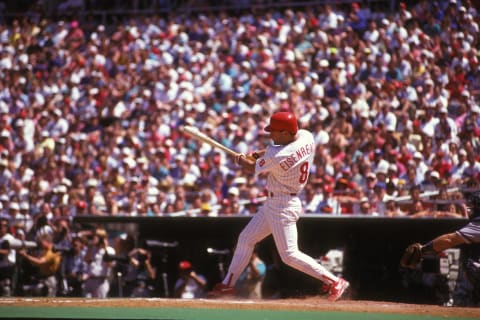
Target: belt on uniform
{"type": "Point", "coordinates": [271, 195]}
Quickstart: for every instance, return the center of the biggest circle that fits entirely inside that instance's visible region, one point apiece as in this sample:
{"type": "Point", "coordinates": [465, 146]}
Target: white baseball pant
{"type": "Point", "coordinates": [278, 216]}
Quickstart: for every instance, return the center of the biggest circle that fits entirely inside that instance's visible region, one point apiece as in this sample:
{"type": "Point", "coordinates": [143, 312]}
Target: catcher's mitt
{"type": "Point", "coordinates": [412, 256]}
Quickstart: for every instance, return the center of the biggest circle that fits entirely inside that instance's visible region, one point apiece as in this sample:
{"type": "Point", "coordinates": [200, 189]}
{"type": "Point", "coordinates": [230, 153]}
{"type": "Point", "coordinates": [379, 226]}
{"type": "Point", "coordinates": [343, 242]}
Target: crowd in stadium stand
{"type": "Point", "coordinates": [89, 113]}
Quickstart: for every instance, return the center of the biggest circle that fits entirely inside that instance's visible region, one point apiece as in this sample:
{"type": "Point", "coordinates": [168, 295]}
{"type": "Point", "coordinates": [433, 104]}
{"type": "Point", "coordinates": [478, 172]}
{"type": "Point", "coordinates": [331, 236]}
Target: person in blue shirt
{"type": "Point", "coordinates": [249, 285]}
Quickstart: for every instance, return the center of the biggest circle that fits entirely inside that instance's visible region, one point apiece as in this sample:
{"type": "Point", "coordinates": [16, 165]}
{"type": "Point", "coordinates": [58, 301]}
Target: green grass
{"type": "Point", "coordinates": [195, 314]}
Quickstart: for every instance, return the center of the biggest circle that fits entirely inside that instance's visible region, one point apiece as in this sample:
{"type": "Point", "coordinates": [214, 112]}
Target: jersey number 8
{"type": "Point", "coordinates": [303, 173]}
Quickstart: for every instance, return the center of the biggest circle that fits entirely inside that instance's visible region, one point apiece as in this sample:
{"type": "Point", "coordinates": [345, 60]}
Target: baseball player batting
{"type": "Point", "coordinates": [287, 164]}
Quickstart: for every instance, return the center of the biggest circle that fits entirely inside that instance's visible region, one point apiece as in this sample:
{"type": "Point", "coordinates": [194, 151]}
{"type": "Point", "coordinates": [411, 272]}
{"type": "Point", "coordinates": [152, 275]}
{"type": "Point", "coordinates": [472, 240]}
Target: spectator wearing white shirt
{"type": "Point", "coordinates": [385, 116]}
{"type": "Point", "coordinates": [99, 265]}
{"type": "Point", "coordinates": [421, 167]}
{"type": "Point", "coordinates": [371, 34]}
{"type": "Point", "coordinates": [430, 121]}
{"type": "Point", "coordinates": [329, 19]}
{"type": "Point", "coordinates": [459, 166]}
{"type": "Point", "coordinates": [58, 127]}
{"type": "Point", "coordinates": [311, 199]}
{"type": "Point", "coordinates": [446, 126]}
{"type": "Point", "coordinates": [7, 258]}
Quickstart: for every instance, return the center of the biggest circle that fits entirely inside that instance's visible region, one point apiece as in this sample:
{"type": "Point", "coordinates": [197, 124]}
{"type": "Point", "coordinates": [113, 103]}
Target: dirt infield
{"type": "Point", "coordinates": [308, 304]}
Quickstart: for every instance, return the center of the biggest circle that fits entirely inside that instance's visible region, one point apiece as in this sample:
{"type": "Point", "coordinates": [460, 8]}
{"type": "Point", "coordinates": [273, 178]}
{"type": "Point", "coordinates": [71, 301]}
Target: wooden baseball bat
{"type": "Point", "coordinates": [197, 134]}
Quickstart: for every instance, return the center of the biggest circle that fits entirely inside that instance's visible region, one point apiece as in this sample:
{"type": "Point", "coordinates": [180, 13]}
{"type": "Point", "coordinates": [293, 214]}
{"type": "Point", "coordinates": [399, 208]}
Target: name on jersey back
{"type": "Point", "coordinates": [295, 157]}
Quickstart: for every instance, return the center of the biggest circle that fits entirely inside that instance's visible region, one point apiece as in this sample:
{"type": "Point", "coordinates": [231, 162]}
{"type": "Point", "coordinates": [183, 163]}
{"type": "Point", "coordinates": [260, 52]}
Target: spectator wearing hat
{"type": "Point", "coordinates": [75, 37]}
{"type": "Point", "coordinates": [369, 183]}
{"type": "Point", "coordinates": [420, 166]}
{"type": "Point", "coordinates": [382, 172]}
{"type": "Point", "coordinates": [364, 207]}
{"type": "Point", "coordinates": [246, 187]}
{"type": "Point", "coordinates": [80, 208]}
{"type": "Point", "coordinates": [6, 142]}
{"type": "Point", "coordinates": [13, 210]}
{"type": "Point", "coordinates": [357, 18]}
{"type": "Point", "coordinates": [459, 166]}
{"type": "Point", "coordinates": [343, 185]}
{"type": "Point", "coordinates": [251, 207]}
{"type": "Point", "coordinates": [403, 13]}
{"type": "Point", "coordinates": [23, 216]}
{"type": "Point", "coordinates": [379, 198]}
{"type": "Point", "coordinates": [392, 174]}
{"type": "Point", "coordinates": [94, 198]}
{"type": "Point", "coordinates": [46, 144]}
{"type": "Point", "coordinates": [190, 284]}
{"type": "Point", "coordinates": [231, 205]}
{"type": "Point", "coordinates": [432, 181]}
{"type": "Point", "coordinates": [218, 166]}
{"type": "Point", "coordinates": [99, 263]}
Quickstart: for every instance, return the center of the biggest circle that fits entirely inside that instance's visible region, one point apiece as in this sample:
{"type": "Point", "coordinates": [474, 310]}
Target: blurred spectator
{"type": "Point", "coordinates": [44, 281]}
{"type": "Point", "coordinates": [392, 209]}
{"type": "Point", "coordinates": [99, 264]}
{"type": "Point", "coordinates": [7, 258]}
{"type": "Point", "coordinates": [74, 267]}
{"type": "Point", "coordinates": [144, 273]}
{"type": "Point", "coordinates": [329, 204]}
{"type": "Point", "coordinates": [190, 284]}
{"type": "Point", "coordinates": [365, 208]}
{"type": "Point", "coordinates": [417, 207]}
{"type": "Point", "coordinates": [249, 285]}
{"type": "Point", "coordinates": [311, 199]}
{"type": "Point", "coordinates": [250, 207]}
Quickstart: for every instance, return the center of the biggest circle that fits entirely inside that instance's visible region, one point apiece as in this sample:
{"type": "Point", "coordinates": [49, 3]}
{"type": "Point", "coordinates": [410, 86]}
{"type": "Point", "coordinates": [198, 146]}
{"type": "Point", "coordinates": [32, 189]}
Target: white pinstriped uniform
{"type": "Point", "coordinates": [287, 168]}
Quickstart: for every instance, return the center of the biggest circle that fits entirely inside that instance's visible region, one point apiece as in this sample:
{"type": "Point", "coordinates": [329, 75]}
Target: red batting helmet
{"type": "Point", "coordinates": [281, 121]}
